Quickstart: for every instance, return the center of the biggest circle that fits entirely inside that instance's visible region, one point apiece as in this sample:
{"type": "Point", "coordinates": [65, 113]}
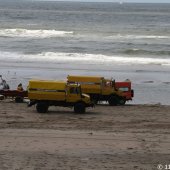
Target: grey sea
{"type": "Point", "coordinates": [49, 40]}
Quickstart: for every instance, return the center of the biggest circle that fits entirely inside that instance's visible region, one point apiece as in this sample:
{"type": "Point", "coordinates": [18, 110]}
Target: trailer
{"type": "Point", "coordinates": [14, 94]}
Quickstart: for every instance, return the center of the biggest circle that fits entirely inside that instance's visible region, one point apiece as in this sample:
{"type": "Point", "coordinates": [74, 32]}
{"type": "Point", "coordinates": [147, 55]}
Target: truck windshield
{"type": "Point", "coordinates": [124, 89]}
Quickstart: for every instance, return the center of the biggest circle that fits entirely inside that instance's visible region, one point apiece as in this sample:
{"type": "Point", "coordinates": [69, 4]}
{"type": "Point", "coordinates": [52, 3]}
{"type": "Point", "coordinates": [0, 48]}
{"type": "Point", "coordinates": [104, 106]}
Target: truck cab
{"type": "Point", "coordinates": [126, 88]}
{"type": "Point", "coordinates": [74, 94]}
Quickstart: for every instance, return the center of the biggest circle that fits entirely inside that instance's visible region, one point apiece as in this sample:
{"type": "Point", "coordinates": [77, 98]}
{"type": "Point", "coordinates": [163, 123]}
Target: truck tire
{"type": "Point", "coordinates": [122, 101]}
{"type": "Point", "coordinates": [79, 108]}
{"type": "Point", "coordinates": [42, 107]}
{"type": "Point", "coordinates": [113, 101]}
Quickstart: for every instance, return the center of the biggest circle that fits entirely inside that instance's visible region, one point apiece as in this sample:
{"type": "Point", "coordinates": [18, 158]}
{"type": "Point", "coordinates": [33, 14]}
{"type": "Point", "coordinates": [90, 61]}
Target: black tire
{"type": "Point", "coordinates": [113, 101]}
{"type": "Point", "coordinates": [79, 108]}
{"type": "Point", "coordinates": [2, 97]}
{"type": "Point", "coordinates": [42, 107]}
{"type": "Point", "coordinates": [19, 99]}
{"type": "Point", "coordinates": [122, 101]}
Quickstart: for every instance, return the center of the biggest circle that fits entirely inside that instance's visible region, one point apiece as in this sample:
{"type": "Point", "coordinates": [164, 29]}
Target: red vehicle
{"type": "Point", "coordinates": [125, 87]}
{"type": "Point", "coordinates": [17, 95]}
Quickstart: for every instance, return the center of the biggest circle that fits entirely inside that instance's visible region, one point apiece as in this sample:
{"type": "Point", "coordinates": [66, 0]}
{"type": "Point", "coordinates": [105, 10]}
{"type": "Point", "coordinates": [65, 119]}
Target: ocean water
{"type": "Point", "coordinates": [40, 39]}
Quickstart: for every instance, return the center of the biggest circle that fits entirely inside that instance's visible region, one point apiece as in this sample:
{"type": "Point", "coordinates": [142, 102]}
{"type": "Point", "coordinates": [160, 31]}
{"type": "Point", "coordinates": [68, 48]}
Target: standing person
{"type": "Point", "coordinates": [1, 85]}
{"type": "Point", "coordinates": [5, 85]}
{"type": "Point", "coordinates": [1, 79]}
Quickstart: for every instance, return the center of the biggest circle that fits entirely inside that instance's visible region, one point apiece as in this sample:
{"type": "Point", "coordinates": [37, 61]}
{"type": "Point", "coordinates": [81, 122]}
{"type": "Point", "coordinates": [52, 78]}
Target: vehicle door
{"type": "Point", "coordinates": [73, 94]}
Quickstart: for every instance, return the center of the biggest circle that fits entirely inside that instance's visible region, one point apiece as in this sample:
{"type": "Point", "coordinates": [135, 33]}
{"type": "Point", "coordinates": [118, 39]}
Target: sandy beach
{"type": "Point", "coordinates": [121, 137]}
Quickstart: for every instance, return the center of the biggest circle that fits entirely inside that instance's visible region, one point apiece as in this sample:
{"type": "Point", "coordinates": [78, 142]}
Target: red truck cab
{"type": "Point", "coordinates": [125, 87]}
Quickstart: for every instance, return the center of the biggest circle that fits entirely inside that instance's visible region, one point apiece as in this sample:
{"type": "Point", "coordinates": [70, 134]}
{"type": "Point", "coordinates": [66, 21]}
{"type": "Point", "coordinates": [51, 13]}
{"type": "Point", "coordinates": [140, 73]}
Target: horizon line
{"type": "Point", "coordinates": [118, 2]}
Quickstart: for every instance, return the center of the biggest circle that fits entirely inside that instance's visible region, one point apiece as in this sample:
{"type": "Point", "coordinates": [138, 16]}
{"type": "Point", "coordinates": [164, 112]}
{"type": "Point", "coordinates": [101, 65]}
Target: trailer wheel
{"type": "Point", "coordinates": [113, 100]}
{"type": "Point", "coordinates": [79, 108]}
{"type": "Point", "coordinates": [42, 107]}
{"type": "Point", "coordinates": [2, 97]}
{"type": "Point", "coordinates": [19, 99]}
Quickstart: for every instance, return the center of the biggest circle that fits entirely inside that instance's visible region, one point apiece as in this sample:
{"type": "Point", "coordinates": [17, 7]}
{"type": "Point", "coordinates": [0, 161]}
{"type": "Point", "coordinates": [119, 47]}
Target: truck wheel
{"type": "Point", "coordinates": [19, 99]}
{"type": "Point", "coordinates": [122, 101]}
{"type": "Point", "coordinates": [79, 108]}
{"type": "Point", "coordinates": [42, 107]}
{"type": "Point", "coordinates": [113, 101]}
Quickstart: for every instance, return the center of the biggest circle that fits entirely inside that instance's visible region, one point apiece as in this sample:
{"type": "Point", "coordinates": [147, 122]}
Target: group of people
{"type": "Point", "coordinates": [5, 86]}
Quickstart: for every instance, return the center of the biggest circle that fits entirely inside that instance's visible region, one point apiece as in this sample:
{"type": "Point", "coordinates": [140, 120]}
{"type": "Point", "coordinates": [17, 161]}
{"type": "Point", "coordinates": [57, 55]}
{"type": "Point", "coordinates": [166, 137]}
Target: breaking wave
{"type": "Point", "coordinates": [40, 33]}
{"type": "Point", "coordinates": [24, 33]}
{"type": "Point", "coordinates": [121, 36]}
{"type": "Point", "coordinates": [52, 57]}
{"type": "Point", "coordinates": [145, 52]}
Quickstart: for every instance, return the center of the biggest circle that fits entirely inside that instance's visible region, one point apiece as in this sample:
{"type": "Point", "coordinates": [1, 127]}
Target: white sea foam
{"type": "Point", "coordinates": [53, 57]}
{"type": "Point", "coordinates": [121, 36]}
{"type": "Point", "coordinates": [25, 33]}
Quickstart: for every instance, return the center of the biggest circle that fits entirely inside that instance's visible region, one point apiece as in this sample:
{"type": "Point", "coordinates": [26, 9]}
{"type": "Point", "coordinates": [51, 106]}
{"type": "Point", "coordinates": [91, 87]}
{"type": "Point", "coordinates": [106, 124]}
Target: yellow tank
{"type": "Point", "coordinates": [89, 84]}
{"type": "Point", "coordinates": [44, 90]}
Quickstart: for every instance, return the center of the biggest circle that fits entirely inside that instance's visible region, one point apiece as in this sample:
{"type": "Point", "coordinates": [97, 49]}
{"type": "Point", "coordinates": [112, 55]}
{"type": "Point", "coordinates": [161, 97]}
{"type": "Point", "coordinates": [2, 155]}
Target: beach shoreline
{"type": "Point", "coordinates": [150, 84]}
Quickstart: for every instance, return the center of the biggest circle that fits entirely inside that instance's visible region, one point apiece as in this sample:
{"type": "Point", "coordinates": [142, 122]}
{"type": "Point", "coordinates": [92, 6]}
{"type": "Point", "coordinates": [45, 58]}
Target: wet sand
{"type": "Point", "coordinates": [121, 137]}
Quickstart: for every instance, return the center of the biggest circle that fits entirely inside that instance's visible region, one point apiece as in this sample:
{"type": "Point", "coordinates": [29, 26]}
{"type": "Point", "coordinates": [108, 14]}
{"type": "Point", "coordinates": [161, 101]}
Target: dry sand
{"type": "Point", "coordinates": [105, 138]}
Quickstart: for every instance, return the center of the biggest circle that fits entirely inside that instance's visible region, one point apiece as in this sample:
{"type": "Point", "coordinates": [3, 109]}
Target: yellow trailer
{"type": "Point", "coordinates": [45, 93]}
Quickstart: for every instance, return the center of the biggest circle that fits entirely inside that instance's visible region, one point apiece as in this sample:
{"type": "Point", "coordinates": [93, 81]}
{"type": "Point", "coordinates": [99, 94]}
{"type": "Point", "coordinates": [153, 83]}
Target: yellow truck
{"type": "Point", "coordinates": [99, 89]}
{"type": "Point", "coordinates": [45, 93]}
